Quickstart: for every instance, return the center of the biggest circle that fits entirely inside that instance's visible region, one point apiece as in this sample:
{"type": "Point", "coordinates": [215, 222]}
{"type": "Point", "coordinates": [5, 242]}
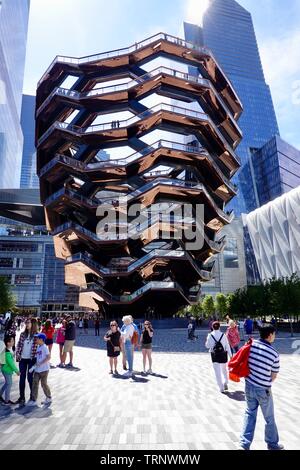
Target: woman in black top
{"type": "Point", "coordinates": [86, 326]}
{"type": "Point", "coordinates": [146, 344]}
{"type": "Point", "coordinates": [112, 339]}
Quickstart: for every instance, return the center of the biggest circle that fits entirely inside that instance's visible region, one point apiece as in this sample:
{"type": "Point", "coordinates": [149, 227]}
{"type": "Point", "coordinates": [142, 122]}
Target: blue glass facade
{"type": "Point", "coordinates": [228, 31]}
{"type": "Point", "coordinates": [29, 177]}
{"type": "Point", "coordinates": [13, 34]}
{"type": "Point", "coordinates": [277, 169]}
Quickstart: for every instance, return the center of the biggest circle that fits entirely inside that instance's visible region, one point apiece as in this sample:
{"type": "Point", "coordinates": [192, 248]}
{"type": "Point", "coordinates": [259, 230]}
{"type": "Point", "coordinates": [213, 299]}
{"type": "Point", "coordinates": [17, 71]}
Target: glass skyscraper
{"type": "Point", "coordinates": [13, 35]}
{"type": "Point", "coordinates": [228, 31]}
{"type": "Point", "coordinates": [29, 177]}
{"type": "Point", "coordinates": [277, 169]}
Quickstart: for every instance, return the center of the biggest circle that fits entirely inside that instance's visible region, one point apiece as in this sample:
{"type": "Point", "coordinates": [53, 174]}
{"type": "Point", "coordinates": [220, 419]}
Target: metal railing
{"type": "Point", "coordinates": [125, 123]}
{"type": "Point", "coordinates": [123, 51]}
{"type": "Point", "coordinates": [122, 161]}
{"type": "Point", "coordinates": [156, 253]}
{"type": "Point", "coordinates": [137, 46]}
{"type": "Point", "coordinates": [159, 285]}
{"type": "Point", "coordinates": [72, 162]}
{"type": "Point", "coordinates": [94, 203]}
{"type": "Point", "coordinates": [60, 91]}
{"type": "Point", "coordinates": [128, 122]}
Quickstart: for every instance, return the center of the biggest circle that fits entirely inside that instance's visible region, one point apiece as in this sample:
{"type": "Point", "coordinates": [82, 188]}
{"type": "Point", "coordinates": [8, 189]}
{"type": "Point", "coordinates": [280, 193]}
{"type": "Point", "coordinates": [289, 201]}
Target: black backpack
{"type": "Point", "coordinates": [218, 353]}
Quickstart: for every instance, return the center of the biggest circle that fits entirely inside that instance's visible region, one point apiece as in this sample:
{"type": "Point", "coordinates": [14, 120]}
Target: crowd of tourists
{"type": "Point", "coordinates": [29, 358]}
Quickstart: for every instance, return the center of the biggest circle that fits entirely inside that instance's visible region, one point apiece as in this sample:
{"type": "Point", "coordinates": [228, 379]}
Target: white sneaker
{"type": "Point", "coordinates": [47, 401]}
{"type": "Point", "coordinates": [149, 371]}
{"type": "Point", "coordinates": [31, 403]}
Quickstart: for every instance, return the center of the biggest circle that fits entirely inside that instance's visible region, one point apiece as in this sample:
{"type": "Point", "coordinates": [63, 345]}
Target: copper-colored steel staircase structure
{"type": "Point", "coordinates": [120, 266]}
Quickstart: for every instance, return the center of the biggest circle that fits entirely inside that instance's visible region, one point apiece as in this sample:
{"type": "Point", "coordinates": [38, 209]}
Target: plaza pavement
{"type": "Point", "coordinates": [179, 407]}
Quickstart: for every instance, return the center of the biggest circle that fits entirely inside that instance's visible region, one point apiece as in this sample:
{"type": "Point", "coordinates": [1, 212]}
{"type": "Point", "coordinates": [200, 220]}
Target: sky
{"type": "Point", "coordinates": [84, 27]}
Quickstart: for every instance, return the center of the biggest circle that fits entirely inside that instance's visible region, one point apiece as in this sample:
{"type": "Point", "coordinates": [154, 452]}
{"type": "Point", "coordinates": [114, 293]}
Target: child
{"type": "Point", "coordinates": [41, 371]}
{"type": "Point", "coordinates": [8, 369]}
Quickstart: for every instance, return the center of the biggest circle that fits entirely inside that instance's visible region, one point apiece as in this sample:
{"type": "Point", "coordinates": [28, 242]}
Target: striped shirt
{"type": "Point", "coordinates": [263, 360]}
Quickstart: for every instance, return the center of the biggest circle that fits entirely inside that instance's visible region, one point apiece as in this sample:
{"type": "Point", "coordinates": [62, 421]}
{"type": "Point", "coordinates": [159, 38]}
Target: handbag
{"type": "Point", "coordinates": [116, 348]}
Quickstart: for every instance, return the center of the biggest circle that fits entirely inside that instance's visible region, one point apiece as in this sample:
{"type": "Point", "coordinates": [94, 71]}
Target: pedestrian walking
{"type": "Point", "coordinates": [97, 327]}
{"type": "Point", "coordinates": [80, 326]}
{"type": "Point", "coordinates": [70, 337]}
{"type": "Point", "coordinates": [86, 326]}
{"type": "Point", "coordinates": [241, 329]}
{"type": "Point", "coordinates": [248, 326]}
{"type": "Point", "coordinates": [146, 346]}
{"type": "Point", "coordinates": [219, 348]}
{"type": "Point", "coordinates": [10, 329]}
{"type": "Point", "coordinates": [264, 367]}
{"type": "Point", "coordinates": [233, 336]}
{"type": "Point", "coordinates": [49, 330]}
{"type": "Point", "coordinates": [113, 340]}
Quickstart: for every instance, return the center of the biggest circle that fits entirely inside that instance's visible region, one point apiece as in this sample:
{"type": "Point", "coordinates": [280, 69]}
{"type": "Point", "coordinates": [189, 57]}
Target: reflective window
{"type": "Point", "coordinates": [231, 254]}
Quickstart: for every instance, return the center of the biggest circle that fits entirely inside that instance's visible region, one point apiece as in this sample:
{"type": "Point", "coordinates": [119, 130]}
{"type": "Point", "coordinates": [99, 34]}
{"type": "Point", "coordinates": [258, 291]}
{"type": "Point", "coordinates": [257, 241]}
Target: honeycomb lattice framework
{"type": "Point", "coordinates": [149, 267]}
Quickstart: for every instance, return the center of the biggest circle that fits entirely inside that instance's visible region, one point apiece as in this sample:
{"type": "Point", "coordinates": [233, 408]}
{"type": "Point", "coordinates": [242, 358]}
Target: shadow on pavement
{"type": "Point", "coordinates": [5, 412]}
{"type": "Point", "coordinates": [72, 369]}
{"type": "Point", "coordinates": [120, 377]}
{"type": "Point", "coordinates": [238, 395]}
{"type": "Point", "coordinates": [26, 412]}
{"type": "Point", "coordinates": [159, 376]}
{"type": "Point", "coordinates": [135, 378]}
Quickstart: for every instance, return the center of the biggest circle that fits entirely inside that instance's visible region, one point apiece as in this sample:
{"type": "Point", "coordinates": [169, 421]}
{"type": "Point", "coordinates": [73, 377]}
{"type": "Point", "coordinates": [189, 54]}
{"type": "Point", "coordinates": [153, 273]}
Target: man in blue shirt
{"type": "Point", "coordinates": [248, 325]}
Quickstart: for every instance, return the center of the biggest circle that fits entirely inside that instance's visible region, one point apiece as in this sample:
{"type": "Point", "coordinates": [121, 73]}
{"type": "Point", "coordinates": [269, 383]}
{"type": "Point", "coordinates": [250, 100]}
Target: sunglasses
{"type": "Point", "coordinates": [113, 324]}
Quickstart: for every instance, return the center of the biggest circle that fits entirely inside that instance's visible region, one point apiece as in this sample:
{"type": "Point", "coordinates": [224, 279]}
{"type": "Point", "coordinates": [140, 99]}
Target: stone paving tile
{"type": "Point", "coordinates": [180, 408]}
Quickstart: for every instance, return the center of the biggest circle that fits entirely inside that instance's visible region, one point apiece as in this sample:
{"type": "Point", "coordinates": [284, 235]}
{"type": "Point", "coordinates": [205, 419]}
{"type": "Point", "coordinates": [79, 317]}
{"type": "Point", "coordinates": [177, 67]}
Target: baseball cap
{"type": "Point", "coordinates": [41, 336]}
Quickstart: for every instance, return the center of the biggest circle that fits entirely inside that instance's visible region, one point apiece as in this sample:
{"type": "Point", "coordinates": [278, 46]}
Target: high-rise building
{"type": "Point", "coordinates": [277, 169]}
{"type": "Point", "coordinates": [13, 35]}
{"type": "Point", "coordinates": [229, 33]}
{"type": "Point", "coordinates": [153, 257]}
{"type": "Point", "coordinates": [36, 276]}
{"type": "Point", "coordinates": [29, 177]}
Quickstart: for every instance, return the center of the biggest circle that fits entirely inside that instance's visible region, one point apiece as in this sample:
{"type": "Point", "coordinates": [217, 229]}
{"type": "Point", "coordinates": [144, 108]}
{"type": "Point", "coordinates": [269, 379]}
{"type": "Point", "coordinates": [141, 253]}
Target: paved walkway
{"type": "Point", "coordinates": [179, 407]}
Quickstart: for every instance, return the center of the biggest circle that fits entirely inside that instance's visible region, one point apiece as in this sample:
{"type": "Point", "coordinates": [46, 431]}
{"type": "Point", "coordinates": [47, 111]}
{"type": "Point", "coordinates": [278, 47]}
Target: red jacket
{"type": "Point", "coordinates": [238, 365]}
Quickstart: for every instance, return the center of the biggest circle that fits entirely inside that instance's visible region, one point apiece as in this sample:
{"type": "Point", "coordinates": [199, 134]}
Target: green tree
{"type": "Point", "coordinates": [208, 306]}
{"type": "Point", "coordinates": [7, 300]}
{"type": "Point", "coordinates": [181, 313]}
{"type": "Point", "coordinates": [221, 305]}
{"type": "Point", "coordinates": [196, 310]}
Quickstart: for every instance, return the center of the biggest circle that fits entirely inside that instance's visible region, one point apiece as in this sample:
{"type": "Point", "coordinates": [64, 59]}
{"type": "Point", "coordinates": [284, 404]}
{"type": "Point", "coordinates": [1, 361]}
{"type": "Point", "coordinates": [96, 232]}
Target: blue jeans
{"type": "Point", "coordinates": [128, 352]}
{"type": "Point", "coordinates": [7, 386]}
{"type": "Point", "coordinates": [255, 397]}
{"type": "Point", "coordinates": [24, 366]}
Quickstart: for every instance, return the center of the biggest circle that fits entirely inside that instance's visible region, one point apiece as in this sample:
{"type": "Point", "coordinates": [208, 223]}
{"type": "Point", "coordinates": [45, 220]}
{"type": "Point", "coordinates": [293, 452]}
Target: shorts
{"type": "Point", "coordinates": [147, 346]}
{"type": "Point", "coordinates": [68, 345]}
{"type": "Point", "coordinates": [48, 341]}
